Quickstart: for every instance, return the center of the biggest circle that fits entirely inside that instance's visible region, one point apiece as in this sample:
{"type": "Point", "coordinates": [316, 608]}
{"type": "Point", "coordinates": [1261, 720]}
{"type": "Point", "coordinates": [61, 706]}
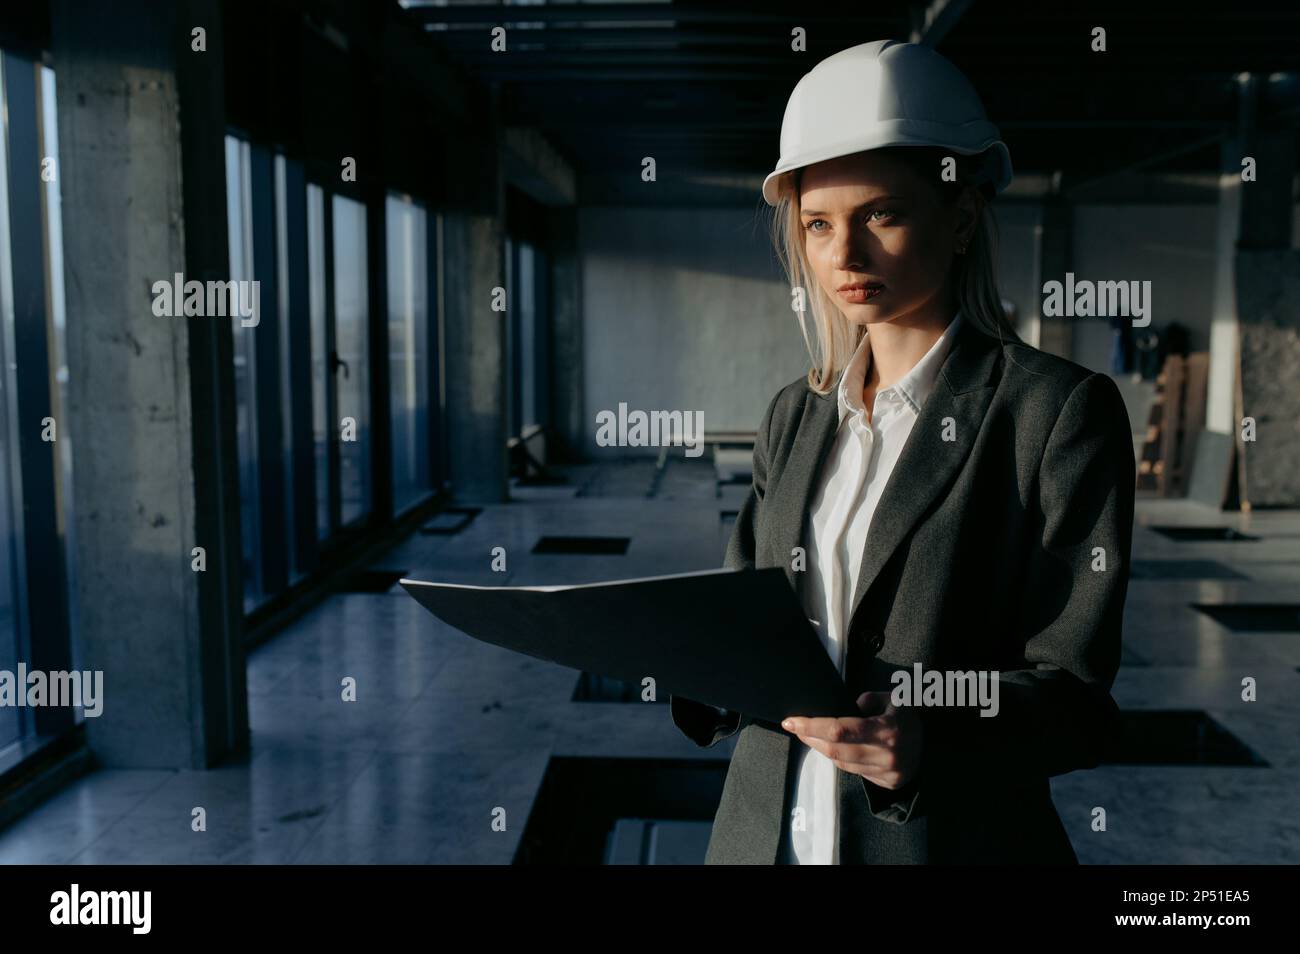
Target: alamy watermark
{"type": "Point", "coordinates": [1089, 299]}
{"type": "Point", "coordinates": [176, 297]}
{"type": "Point", "coordinates": [35, 688]}
{"type": "Point", "coordinates": [946, 687]}
{"type": "Point", "coordinates": [651, 429]}
{"type": "Point", "coordinates": [75, 906]}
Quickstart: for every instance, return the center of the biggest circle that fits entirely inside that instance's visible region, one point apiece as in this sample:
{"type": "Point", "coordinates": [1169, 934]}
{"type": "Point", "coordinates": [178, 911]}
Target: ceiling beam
{"type": "Point", "coordinates": [934, 21]}
{"type": "Point", "coordinates": [565, 37]}
{"type": "Point", "coordinates": [497, 13]}
{"type": "Point", "coordinates": [606, 59]}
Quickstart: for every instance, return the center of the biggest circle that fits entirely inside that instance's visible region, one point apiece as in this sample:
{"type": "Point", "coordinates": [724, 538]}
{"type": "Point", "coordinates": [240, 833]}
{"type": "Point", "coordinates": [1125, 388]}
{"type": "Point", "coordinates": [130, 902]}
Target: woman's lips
{"type": "Point", "coordinates": [860, 293]}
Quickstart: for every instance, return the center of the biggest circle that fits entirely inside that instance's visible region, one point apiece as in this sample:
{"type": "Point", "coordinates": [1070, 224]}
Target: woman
{"type": "Point", "coordinates": [940, 494]}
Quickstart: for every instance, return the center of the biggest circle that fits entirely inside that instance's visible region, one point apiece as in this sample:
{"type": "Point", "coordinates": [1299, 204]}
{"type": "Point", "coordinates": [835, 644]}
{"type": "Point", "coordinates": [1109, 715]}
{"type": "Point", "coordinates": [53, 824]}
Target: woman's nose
{"type": "Point", "coordinates": [845, 254]}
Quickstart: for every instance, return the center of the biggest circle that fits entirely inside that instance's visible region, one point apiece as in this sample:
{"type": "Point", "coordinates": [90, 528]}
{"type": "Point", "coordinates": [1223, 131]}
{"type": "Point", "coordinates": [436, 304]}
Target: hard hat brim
{"type": "Point", "coordinates": [999, 172]}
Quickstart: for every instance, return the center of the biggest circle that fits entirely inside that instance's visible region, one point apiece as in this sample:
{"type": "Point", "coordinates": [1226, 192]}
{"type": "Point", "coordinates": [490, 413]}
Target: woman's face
{"type": "Point", "coordinates": [880, 239]}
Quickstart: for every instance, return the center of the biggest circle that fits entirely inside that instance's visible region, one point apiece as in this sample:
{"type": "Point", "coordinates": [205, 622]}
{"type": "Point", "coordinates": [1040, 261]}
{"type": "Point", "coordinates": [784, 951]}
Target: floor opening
{"type": "Point", "coordinates": [582, 546]}
{"type": "Point", "coordinates": [1254, 617]}
{"type": "Point", "coordinates": [369, 581]}
{"type": "Point", "coordinates": [623, 811]}
{"type": "Point", "coordinates": [1202, 534]}
{"type": "Point", "coordinates": [1177, 737]}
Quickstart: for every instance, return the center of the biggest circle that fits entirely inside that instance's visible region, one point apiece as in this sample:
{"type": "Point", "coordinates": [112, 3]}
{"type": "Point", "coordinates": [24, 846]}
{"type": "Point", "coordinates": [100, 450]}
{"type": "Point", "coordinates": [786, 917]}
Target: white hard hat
{"type": "Point", "coordinates": [885, 93]}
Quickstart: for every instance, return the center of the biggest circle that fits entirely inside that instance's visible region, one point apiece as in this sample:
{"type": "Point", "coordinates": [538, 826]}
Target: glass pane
{"type": "Point", "coordinates": [319, 354]}
{"type": "Point", "coordinates": [239, 218]}
{"type": "Point", "coordinates": [286, 396]}
{"type": "Point", "coordinates": [11, 726]}
{"type": "Point", "coordinates": [58, 344]}
{"type": "Point", "coordinates": [10, 623]}
{"type": "Point", "coordinates": [408, 320]}
{"type": "Point", "coordinates": [351, 342]}
{"type": "Point", "coordinates": [439, 395]}
{"type": "Point", "coordinates": [527, 302]}
{"type": "Point", "coordinates": [512, 345]}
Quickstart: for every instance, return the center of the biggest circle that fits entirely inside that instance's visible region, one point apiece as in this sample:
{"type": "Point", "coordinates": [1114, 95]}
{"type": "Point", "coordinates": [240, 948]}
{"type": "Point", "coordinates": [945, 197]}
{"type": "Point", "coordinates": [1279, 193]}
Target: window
{"type": "Point", "coordinates": [37, 604]}
{"type": "Point", "coordinates": [239, 224]}
{"type": "Point", "coordinates": [11, 612]}
{"type": "Point", "coordinates": [303, 373]}
{"type": "Point", "coordinates": [285, 260]}
{"type": "Point", "coordinates": [321, 370]}
{"type": "Point", "coordinates": [408, 349]}
{"type": "Point", "coordinates": [352, 348]}
{"type": "Point", "coordinates": [527, 328]}
{"type": "Point", "coordinates": [266, 207]}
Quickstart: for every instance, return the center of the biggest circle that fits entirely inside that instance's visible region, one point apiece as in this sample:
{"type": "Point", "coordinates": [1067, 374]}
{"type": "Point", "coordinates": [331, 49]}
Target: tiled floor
{"type": "Point", "coordinates": [440, 756]}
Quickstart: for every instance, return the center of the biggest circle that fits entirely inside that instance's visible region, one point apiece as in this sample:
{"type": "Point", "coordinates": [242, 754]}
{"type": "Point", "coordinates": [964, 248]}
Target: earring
{"type": "Point", "coordinates": [961, 249]}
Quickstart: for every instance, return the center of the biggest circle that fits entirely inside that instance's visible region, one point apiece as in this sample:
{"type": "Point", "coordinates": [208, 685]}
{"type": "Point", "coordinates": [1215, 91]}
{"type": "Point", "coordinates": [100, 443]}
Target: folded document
{"type": "Point", "coordinates": [735, 639]}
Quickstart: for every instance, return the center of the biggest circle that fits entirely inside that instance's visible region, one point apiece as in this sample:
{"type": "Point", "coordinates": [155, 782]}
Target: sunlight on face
{"type": "Point", "coordinates": [879, 239]}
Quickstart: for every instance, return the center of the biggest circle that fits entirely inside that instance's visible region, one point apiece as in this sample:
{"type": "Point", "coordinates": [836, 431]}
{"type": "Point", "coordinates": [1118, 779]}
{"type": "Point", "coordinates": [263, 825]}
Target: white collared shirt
{"type": "Point", "coordinates": [854, 475]}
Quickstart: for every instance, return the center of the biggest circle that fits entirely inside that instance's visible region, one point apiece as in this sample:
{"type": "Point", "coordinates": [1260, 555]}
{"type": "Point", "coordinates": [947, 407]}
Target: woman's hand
{"type": "Point", "coordinates": [884, 747]}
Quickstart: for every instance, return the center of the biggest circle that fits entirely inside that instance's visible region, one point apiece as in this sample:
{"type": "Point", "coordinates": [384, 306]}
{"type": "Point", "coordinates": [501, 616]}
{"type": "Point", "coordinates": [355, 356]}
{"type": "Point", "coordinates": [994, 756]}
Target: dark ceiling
{"type": "Point", "coordinates": [702, 86]}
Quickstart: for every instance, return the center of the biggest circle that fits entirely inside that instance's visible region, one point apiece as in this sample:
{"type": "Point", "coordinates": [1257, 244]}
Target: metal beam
{"type": "Point", "coordinates": [486, 58]}
{"type": "Point", "coordinates": [630, 35]}
{"type": "Point", "coordinates": [498, 13]}
{"type": "Point", "coordinates": [934, 22]}
{"type": "Point", "coordinates": [510, 73]}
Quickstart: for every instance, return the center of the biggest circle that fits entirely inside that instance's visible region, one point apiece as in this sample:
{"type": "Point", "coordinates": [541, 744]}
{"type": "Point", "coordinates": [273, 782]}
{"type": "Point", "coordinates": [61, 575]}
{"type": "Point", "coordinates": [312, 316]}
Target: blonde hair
{"type": "Point", "coordinates": [974, 274]}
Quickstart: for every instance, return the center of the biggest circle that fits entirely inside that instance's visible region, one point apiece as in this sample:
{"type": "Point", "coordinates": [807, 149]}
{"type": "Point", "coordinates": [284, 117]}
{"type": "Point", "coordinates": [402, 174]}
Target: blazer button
{"type": "Point", "coordinates": [874, 640]}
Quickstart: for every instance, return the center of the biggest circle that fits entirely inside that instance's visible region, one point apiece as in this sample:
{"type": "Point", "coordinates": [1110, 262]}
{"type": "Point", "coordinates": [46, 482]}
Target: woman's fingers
{"type": "Point", "coordinates": [883, 747]}
{"type": "Point", "coordinates": [861, 745]}
{"type": "Point", "coordinates": [877, 730]}
{"type": "Point", "coordinates": [860, 756]}
{"type": "Point", "coordinates": [821, 727]}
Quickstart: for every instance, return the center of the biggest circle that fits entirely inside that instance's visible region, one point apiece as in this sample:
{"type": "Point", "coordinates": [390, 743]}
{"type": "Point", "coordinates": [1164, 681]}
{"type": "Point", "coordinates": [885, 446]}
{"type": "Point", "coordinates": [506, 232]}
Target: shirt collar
{"type": "Point", "coordinates": [913, 387]}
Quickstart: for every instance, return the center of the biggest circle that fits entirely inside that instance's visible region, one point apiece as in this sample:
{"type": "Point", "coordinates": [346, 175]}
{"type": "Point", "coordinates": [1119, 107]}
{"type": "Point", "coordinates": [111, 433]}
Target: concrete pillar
{"type": "Point", "coordinates": [1055, 335]}
{"type": "Point", "coordinates": [1255, 334]}
{"type": "Point", "coordinates": [1267, 284]}
{"type": "Point", "coordinates": [566, 327]}
{"type": "Point", "coordinates": [1211, 466]}
{"type": "Point", "coordinates": [475, 337]}
{"type": "Point", "coordinates": [150, 398]}
{"type": "Point", "coordinates": [532, 165]}
{"type": "Point", "coordinates": [1222, 379]}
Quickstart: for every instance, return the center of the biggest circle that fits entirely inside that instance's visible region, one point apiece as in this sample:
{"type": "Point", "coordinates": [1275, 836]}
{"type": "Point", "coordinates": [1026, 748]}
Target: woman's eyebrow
{"type": "Point", "coordinates": [863, 205]}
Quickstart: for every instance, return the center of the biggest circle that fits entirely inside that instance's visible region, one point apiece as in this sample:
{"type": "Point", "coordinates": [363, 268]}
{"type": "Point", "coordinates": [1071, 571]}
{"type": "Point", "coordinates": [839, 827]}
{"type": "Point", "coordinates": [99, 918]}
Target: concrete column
{"type": "Point", "coordinates": [1055, 335]}
{"type": "Point", "coordinates": [475, 338]}
{"type": "Point", "coordinates": [473, 334]}
{"type": "Point", "coordinates": [150, 398]}
{"type": "Point", "coordinates": [1222, 379]}
{"type": "Point", "coordinates": [1255, 334]}
{"type": "Point", "coordinates": [1267, 285]}
{"type": "Point", "coordinates": [566, 328]}
{"type": "Point", "coordinates": [532, 165]}
{"type": "Point", "coordinates": [1211, 466]}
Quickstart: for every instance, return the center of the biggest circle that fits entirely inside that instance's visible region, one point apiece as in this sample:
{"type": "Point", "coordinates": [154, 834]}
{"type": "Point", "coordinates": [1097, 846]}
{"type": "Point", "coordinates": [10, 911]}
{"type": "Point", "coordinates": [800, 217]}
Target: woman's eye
{"type": "Point", "coordinates": [821, 225]}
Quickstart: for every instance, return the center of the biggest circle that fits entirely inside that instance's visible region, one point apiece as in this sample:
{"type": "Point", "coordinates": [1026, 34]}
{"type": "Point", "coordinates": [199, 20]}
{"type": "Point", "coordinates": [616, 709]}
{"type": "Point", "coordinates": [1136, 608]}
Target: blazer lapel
{"type": "Point", "coordinates": [929, 463]}
{"type": "Point", "coordinates": [813, 440]}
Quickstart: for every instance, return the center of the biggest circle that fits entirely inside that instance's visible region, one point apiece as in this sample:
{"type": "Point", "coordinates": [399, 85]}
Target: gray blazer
{"type": "Point", "coordinates": [986, 552]}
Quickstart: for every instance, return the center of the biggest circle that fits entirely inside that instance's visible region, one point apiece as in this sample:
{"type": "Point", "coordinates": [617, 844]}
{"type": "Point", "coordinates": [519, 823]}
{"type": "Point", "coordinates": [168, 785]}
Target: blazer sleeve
{"type": "Point", "coordinates": [707, 725]}
{"type": "Point", "coordinates": [1055, 712]}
